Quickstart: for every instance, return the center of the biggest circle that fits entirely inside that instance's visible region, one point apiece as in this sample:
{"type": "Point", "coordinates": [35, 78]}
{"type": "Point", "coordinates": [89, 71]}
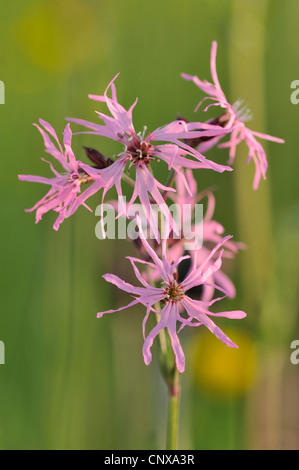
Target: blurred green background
{"type": "Point", "coordinates": [72, 381]}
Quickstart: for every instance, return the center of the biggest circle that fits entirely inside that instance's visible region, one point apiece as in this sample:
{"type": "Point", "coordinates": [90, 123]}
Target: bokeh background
{"type": "Point", "coordinates": [72, 381]}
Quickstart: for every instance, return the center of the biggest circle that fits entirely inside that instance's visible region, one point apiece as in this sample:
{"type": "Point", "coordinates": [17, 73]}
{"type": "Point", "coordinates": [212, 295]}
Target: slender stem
{"type": "Point", "coordinates": [174, 394]}
{"type": "Point", "coordinates": [171, 178]}
{"type": "Point", "coordinates": [128, 180]}
{"type": "Point", "coordinates": [171, 374]}
{"type": "Point", "coordinates": [169, 182]}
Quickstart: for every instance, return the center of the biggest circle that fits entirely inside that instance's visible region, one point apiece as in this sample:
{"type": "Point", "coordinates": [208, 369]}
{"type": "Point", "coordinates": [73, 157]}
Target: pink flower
{"type": "Point", "coordinates": [140, 150]}
{"type": "Point", "coordinates": [233, 120]}
{"type": "Point", "coordinates": [65, 186]}
{"type": "Point", "coordinates": [174, 296]}
{"type": "Point", "coordinates": [211, 232]}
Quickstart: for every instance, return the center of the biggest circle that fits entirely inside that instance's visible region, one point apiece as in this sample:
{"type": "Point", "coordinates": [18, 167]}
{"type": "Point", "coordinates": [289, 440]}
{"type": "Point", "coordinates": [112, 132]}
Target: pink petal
{"type": "Point", "coordinates": [51, 131]}
{"type": "Point", "coordinates": [268, 137]}
{"type": "Point", "coordinates": [176, 346]}
{"type": "Point", "coordinates": [213, 65]}
{"type": "Point", "coordinates": [233, 314]}
{"type": "Point", "coordinates": [50, 148]}
{"type": "Point", "coordinates": [195, 312]}
{"type": "Point", "coordinates": [146, 349]}
{"type": "Point", "coordinates": [36, 179]}
{"type": "Point", "coordinates": [137, 272]}
{"type": "Point", "coordinates": [134, 302]}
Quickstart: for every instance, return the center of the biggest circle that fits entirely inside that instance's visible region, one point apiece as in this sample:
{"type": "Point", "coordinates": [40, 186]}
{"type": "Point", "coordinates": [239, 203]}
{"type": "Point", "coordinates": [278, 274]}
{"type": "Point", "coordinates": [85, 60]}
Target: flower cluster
{"type": "Point", "coordinates": [171, 276]}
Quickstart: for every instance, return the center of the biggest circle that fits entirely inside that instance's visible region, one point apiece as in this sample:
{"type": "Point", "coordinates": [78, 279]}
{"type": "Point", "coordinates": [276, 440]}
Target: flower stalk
{"type": "Point", "coordinates": [174, 396]}
{"type": "Point", "coordinates": [172, 379]}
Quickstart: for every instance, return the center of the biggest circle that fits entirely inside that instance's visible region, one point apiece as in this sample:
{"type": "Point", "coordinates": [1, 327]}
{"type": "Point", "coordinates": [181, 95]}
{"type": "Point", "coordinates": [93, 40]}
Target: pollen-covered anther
{"type": "Point", "coordinates": [85, 179]}
{"type": "Point", "coordinates": [140, 153]}
{"type": "Point", "coordinates": [81, 178]}
{"type": "Point", "coordinates": [174, 292]}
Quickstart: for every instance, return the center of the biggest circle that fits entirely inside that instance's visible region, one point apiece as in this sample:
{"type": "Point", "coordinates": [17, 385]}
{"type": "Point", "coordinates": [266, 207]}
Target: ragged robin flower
{"type": "Point", "coordinates": [233, 119]}
{"type": "Point", "coordinates": [65, 186]}
{"type": "Point", "coordinates": [210, 232]}
{"type": "Point", "coordinates": [139, 150]}
{"type": "Point", "coordinates": [174, 297]}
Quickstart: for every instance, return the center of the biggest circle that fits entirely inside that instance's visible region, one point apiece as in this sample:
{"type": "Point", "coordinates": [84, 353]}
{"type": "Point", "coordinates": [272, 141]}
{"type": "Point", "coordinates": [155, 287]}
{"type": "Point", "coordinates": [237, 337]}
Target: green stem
{"type": "Point", "coordinates": [174, 394]}
{"type": "Point", "coordinates": [128, 180]}
{"type": "Point", "coordinates": [169, 369]}
{"type": "Point", "coordinates": [169, 182]}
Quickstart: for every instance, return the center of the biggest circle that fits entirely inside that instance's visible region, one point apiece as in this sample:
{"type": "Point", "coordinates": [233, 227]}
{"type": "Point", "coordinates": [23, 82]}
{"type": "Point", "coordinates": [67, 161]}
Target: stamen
{"type": "Point", "coordinates": [243, 113]}
{"type": "Point", "coordinates": [173, 291]}
{"type": "Point", "coordinates": [141, 134]}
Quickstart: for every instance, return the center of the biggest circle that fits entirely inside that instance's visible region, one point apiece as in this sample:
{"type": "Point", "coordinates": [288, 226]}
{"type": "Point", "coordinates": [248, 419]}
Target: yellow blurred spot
{"type": "Point", "coordinates": [58, 35]}
{"type": "Point", "coordinates": [220, 370]}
